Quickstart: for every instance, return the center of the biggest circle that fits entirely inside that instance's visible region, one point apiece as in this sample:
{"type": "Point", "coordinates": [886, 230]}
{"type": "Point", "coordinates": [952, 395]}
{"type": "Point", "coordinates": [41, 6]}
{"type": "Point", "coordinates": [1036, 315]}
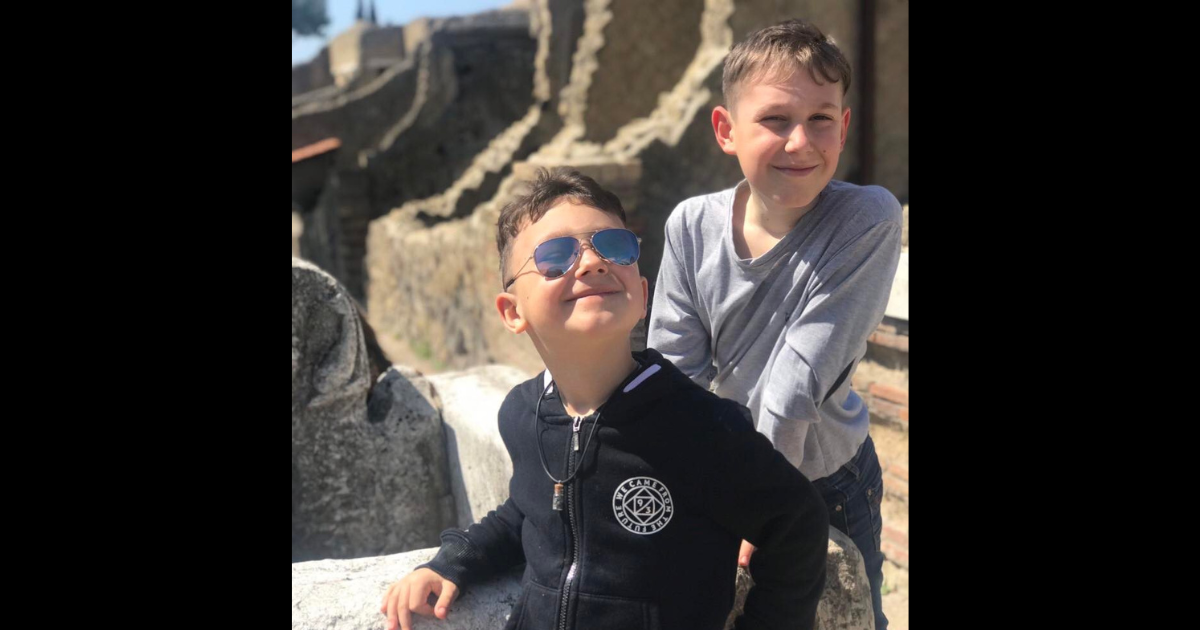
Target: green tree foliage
{"type": "Point", "coordinates": [309, 17]}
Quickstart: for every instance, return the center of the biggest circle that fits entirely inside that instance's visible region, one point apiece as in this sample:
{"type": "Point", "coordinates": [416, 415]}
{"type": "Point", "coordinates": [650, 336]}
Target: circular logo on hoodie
{"type": "Point", "coordinates": [643, 505]}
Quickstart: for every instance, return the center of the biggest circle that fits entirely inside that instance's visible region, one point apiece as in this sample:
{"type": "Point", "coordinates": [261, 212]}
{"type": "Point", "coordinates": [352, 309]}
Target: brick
{"type": "Point", "coordinates": [899, 342]}
{"type": "Point", "coordinates": [895, 536]}
{"type": "Point", "coordinates": [895, 553]}
{"type": "Point", "coordinates": [885, 409]}
{"type": "Point", "coordinates": [894, 486]}
{"type": "Point", "coordinates": [889, 392]}
{"type": "Point", "coordinates": [314, 149]}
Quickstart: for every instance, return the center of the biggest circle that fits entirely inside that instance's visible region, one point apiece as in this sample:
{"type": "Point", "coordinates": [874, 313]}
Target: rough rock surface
{"type": "Point", "coordinates": [366, 479]}
{"type": "Point", "coordinates": [346, 594]}
{"type": "Point", "coordinates": [479, 464]}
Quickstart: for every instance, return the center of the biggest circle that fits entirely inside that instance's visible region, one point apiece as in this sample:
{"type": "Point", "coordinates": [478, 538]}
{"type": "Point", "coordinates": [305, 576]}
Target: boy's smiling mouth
{"type": "Point", "coordinates": [592, 293]}
{"type": "Point", "coordinates": [796, 171]}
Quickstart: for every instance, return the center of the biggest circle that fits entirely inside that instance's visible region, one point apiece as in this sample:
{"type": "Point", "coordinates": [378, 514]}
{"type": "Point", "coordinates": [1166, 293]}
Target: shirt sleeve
{"type": "Point", "coordinates": [754, 492]}
{"type": "Point", "coordinates": [676, 329]}
{"type": "Point", "coordinates": [484, 549]}
{"type": "Point", "coordinates": [829, 333]}
{"type": "Point", "coordinates": [494, 543]}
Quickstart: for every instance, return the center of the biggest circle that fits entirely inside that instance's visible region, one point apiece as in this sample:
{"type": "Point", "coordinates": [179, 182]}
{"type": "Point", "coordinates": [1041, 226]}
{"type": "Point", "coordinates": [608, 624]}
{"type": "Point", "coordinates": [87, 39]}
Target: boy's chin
{"type": "Point", "coordinates": [597, 328]}
{"type": "Point", "coordinates": [790, 194]}
{"type": "Point", "coordinates": [792, 202]}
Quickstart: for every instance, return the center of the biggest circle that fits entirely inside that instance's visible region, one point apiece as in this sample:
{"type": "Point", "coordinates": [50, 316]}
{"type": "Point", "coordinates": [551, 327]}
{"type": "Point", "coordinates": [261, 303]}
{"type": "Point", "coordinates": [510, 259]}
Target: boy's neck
{"type": "Point", "coordinates": [761, 214]}
{"type": "Point", "coordinates": [586, 378]}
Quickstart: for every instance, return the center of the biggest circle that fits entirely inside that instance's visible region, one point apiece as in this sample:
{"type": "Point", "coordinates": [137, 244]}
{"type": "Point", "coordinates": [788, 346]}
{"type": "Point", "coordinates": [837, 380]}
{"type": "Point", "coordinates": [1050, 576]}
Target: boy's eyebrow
{"type": "Point", "coordinates": [557, 233]}
{"type": "Point", "coordinates": [783, 105]}
{"type": "Point", "coordinates": [568, 231]}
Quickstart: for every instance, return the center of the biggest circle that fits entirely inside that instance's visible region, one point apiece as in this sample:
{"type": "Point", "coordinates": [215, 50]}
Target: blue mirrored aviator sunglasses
{"type": "Point", "coordinates": [557, 256]}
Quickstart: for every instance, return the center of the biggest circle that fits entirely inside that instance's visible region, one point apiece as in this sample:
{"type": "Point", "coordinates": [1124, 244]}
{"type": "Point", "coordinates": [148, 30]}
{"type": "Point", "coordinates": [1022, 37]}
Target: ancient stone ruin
{"type": "Point", "coordinates": [406, 142]}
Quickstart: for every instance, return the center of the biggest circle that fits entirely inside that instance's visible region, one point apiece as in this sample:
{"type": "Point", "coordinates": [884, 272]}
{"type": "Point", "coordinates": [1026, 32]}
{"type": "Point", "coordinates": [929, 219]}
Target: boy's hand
{"type": "Point", "coordinates": [744, 554]}
{"type": "Point", "coordinates": [411, 594]}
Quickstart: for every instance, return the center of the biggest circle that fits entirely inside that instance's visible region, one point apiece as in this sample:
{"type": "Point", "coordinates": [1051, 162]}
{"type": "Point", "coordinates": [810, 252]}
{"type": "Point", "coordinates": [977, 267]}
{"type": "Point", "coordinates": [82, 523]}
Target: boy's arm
{"type": "Point", "coordinates": [484, 549]}
{"type": "Point", "coordinates": [754, 492]}
{"type": "Point", "coordinates": [487, 547]}
{"type": "Point", "coordinates": [676, 329]}
{"type": "Point", "coordinates": [824, 340]}
{"type": "Point", "coordinates": [494, 543]}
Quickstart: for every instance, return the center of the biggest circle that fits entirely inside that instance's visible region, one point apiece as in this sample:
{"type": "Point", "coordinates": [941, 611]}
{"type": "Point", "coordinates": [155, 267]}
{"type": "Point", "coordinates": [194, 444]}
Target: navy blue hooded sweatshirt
{"type": "Point", "coordinates": [671, 481]}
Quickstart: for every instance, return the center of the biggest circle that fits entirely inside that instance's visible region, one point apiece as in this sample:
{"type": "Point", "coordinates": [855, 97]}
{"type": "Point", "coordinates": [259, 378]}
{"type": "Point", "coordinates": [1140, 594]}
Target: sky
{"type": "Point", "coordinates": [388, 12]}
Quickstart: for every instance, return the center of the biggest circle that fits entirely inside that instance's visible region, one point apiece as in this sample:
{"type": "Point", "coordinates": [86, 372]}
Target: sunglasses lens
{"type": "Point", "coordinates": [554, 257]}
{"type": "Point", "coordinates": [619, 246]}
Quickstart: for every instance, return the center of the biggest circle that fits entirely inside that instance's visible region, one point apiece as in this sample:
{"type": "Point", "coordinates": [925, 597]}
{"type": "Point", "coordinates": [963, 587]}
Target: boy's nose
{"type": "Point", "coordinates": [590, 261]}
{"type": "Point", "coordinates": [797, 140]}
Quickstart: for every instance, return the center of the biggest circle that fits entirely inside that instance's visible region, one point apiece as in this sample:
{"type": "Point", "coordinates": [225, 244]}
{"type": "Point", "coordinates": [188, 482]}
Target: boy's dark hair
{"type": "Point", "coordinates": [546, 189]}
{"type": "Point", "coordinates": [774, 52]}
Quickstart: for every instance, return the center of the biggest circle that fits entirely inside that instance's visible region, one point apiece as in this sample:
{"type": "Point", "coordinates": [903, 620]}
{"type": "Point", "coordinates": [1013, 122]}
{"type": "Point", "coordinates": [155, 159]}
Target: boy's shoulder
{"type": "Point", "coordinates": [701, 410]}
{"type": "Point", "coordinates": [719, 416]}
{"type": "Point", "coordinates": [868, 205]}
{"type": "Point", "coordinates": [521, 400]}
{"type": "Point", "coordinates": [528, 389]}
{"type": "Point", "coordinates": [693, 211]}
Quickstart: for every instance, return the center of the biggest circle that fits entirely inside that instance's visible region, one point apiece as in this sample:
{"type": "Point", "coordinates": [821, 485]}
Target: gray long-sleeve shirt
{"type": "Point", "coordinates": [781, 333]}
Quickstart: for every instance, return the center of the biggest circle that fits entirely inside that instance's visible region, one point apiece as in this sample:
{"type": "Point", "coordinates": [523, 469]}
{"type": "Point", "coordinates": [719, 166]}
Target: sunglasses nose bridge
{"type": "Point", "coordinates": [585, 243]}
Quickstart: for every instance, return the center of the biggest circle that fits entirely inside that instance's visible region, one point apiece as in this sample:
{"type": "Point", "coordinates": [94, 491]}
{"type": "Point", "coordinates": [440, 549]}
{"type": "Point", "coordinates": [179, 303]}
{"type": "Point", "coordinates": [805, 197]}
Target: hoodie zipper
{"type": "Point", "coordinates": [572, 448]}
{"type": "Point", "coordinates": [574, 557]}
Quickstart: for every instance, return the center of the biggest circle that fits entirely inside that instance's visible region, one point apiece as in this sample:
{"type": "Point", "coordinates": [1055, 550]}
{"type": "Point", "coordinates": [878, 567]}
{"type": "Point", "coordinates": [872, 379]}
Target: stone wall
{"type": "Point", "coordinates": [477, 84]}
{"type": "Point", "coordinates": [450, 237]}
{"type": "Point", "coordinates": [382, 47]}
{"type": "Point", "coordinates": [347, 594]}
{"type": "Point", "coordinates": [357, 118]}
{"type": "Point", "coordinates": [636, 112]}
{"type": "Point", "coordinates": [312, 75]}
{"type": "Point", "coordinates": [345, 52]}
{"type": "Point", "coordinates": [891, 97]}
{"type": "Point", "coordinates": [479, 464]}
{"type": "Point", "coordinates": [369, 471]}
{"type": "Point", "coordinates": [417, 129]}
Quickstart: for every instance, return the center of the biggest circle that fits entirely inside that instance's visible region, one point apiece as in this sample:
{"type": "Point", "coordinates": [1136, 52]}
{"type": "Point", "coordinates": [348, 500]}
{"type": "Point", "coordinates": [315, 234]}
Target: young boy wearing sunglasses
{"type": "Point", "coordinates": [632, 486]}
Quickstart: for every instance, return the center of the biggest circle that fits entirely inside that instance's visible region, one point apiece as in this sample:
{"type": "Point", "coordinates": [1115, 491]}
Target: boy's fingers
{"type": "Point", "coordinates": [398, 616]}
{"type": "Point", "coordinates": [418, 600]}
{"type": "Point", "coordinates": [405, 618]}
{"type": "Point", "coordinates": [744, 554]}
{"type": "Point", "coordinates": [448, 595]}
{"type": "Point", "coordinates": [386, 597]}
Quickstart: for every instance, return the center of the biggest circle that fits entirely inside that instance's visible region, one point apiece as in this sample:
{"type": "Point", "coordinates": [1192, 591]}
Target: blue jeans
{"type": "Point", "coordinates": [853, 495]}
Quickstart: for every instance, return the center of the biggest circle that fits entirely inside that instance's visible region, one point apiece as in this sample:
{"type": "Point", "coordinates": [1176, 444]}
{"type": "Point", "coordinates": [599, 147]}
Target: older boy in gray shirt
{"type": "Point", "coordinates": [768, 291]}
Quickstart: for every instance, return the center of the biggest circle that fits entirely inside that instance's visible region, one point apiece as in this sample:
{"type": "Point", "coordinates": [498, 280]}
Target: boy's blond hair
{"type": "Point", "coordinates": [775, 52]}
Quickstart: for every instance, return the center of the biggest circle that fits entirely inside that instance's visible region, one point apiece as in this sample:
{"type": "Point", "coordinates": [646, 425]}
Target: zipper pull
{"type": "Point", "coordinates": [575, 433]}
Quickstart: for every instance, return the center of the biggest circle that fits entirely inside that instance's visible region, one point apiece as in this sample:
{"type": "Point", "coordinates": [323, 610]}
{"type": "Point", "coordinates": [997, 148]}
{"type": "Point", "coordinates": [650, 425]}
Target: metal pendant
{"type": "Point", "coordinates": [558, 497]}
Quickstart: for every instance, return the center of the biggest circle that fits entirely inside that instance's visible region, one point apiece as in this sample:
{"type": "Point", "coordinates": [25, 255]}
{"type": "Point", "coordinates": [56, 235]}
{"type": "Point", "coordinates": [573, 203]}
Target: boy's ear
{"type": "Point", "coordinates": [722, 122]}
{"type": "Point", "coordinates": [506, 305]}
{"type": "Point", "coordinates": [645, 296]}
{"type": "Point", "coordinates": [845, 125]}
